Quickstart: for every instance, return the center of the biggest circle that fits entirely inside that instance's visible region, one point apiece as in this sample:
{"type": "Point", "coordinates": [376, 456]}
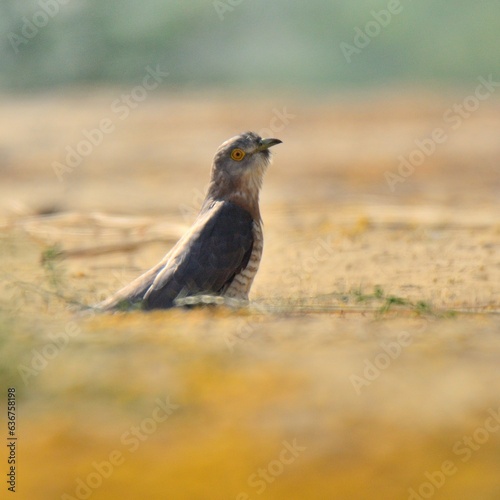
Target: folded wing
{"type": "Point", "coordinates": [204, 261]}
{"type": "Point", "coordinates": [207, 261]}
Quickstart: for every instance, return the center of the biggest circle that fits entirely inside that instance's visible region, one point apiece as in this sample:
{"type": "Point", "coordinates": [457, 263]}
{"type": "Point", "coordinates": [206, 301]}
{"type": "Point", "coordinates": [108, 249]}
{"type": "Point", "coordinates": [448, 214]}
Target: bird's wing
{"type": "Point", "coordinates": [206, 260]}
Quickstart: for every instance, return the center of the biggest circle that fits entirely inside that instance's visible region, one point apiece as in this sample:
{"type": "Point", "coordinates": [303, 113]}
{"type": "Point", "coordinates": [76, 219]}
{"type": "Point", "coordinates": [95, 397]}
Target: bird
{"type": "Point", "coordinates": [220, 254]}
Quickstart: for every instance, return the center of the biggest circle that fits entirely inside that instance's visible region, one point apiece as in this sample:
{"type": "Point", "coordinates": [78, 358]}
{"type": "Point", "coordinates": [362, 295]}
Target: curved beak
{"type": "Point", "coordinates": [267, 143]}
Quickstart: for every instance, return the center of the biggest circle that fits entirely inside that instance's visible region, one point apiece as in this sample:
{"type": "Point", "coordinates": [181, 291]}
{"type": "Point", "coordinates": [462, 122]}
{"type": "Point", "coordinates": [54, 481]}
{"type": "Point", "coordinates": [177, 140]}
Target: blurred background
{"type": "Point", "coordinates": [381, 221]}
{"type": "Point", "coordinates": [246, 44]}
{"type": "Point", "coordinates": [359, 84]}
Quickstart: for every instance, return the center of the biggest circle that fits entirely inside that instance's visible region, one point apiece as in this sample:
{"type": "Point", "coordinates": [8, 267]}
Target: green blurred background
{"type": "Point", "coordinates": [245, 43]}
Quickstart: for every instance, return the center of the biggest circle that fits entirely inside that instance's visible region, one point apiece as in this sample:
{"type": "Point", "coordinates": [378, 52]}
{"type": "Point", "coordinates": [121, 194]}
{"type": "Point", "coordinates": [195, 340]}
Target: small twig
{"type": "Point", "coordinates": [107, 249]}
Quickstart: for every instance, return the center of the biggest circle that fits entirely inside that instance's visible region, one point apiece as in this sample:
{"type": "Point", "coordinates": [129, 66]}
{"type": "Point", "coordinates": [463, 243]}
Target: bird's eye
{"type": "Point", "coordinates": [237, 154]}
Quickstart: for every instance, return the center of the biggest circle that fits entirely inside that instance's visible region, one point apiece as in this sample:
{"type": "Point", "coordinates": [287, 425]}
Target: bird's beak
{"type": "Point", "coordinates": [267, 143]}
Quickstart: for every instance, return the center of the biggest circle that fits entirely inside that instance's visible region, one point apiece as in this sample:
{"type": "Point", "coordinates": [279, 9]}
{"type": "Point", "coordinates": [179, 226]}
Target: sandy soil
{"type": "Point", "coordinates": [367, 365]}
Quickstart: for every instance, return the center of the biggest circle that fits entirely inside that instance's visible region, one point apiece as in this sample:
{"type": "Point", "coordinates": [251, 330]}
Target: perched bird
{"type": "Point", "coordinates": [220, 254]}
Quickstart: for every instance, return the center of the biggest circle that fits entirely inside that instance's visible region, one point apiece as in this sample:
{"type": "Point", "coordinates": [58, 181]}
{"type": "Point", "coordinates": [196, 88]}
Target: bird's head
{"type": "Point", "coordinates": [238, 169]}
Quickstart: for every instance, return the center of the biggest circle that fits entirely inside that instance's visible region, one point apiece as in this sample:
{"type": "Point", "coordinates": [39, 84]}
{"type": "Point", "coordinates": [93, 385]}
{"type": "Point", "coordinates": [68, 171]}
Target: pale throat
{"type": "Point", "coordinates": [243, 191]}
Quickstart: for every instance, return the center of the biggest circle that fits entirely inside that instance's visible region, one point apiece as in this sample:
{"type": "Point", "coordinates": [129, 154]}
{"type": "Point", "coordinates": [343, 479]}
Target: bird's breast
{"type": "Point", "coordinates": [242, 282]}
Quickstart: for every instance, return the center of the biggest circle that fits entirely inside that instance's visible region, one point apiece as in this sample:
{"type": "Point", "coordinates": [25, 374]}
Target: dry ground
{"type": "Point", "coordinates": [372, 346]}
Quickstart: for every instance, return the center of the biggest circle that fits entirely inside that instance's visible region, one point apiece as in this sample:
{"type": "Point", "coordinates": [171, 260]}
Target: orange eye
{"type": "Point", "coordinates": [237, 154]}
